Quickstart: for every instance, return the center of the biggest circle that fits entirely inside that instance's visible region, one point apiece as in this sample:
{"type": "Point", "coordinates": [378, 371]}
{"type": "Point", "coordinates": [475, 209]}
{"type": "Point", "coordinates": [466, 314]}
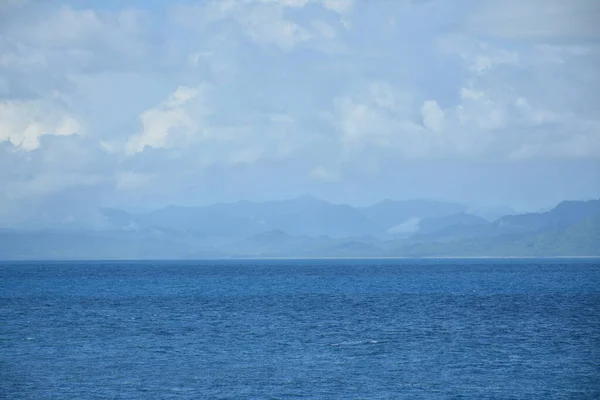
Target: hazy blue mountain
{"type": "Point", "coordinates": [65, 218]}
{"type": "Point", "coordinates": [581, 238]}
{"type": "Point", "coordinates": [271, 244]}
{"type": "Point", "coordinates": [307, 215]}
{"type": "Point", "coordinates": [430, 225]}
{"type": "Point", "coordinates": [245, 229]}
{"type": "Point", "coordinates": [347, 248]}
{"type": "Point", "coordinates": [203, 220]}
{"type": "Point", "coordinates": [279, 244]}
{"type": "Point", "coordinates": [564, 214]}
{"type": "Point", "coordinates": [119, 219]}
{"type": "Point", "coordinates": [304, 215]}
{"type": "Point", "coordinates": [388, 214]}
{"type": "Point", "coordinates": [492, 213]}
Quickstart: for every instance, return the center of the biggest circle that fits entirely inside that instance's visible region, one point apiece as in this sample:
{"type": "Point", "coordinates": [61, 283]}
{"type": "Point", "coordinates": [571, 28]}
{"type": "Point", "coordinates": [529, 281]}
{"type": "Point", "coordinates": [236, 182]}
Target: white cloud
{"type": "Point", "coordinates": [484, 62]}
{"type": "Point", "coordinates": [533, 115]}
{"type": "Point", "coordinates": [288, 3]}
{"type": "Point", "coordinates": [480, 57]}
{"type": "Point", "coordinates": [363, 124]}
{"type": "Point", "coordinates": [109, 70]}
{"type": "Point", "coordinates": [480, 111]}
{"type": "Point", "coordinates": [470, 94]}
{"type": "Point", "coordinates": [487, 122]}
{"type": "Point", "coordinates": [325, 174]}
{"type": "Point", "coordinates": [43, 47]}
{"type": "Point", "coordinates": [22, 123]}
{"type": "Point", "coordinates": [339, 6]}
{"type": "Point", "coordinates": [407, 227]}
{"type": "Point", "coordinates": [244, 155]}
{"type": "Point", "coordinates": [266, 24]}
{"type": "Point", "coordinates": [433, 116]}
{"type": "Point", "coordinates": [377, 118]}
{"type": "Point", "coordinates": [173, 121]}
{"type": "Point", "coordinates": [70, 28]}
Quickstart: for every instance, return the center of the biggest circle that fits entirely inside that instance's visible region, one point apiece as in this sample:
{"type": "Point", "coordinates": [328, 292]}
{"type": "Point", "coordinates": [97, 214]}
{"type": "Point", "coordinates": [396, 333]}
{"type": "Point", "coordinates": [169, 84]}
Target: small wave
{"type": "Point", "coordinates": [355, 343]}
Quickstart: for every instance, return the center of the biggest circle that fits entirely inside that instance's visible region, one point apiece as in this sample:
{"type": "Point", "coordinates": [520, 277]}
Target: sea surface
{"type": "Point", "coordinates": [292, 329]}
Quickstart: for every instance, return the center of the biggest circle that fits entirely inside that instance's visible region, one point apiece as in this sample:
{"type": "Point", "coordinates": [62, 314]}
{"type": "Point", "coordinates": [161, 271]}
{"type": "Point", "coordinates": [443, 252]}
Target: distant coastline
{"type": "Point", "coordinates": [311, 228]}
{"type": "Point", "coordinates": [186, 260]}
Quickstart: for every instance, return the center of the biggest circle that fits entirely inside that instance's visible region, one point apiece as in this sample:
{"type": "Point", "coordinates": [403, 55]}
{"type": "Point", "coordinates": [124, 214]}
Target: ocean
{"type": "Point", "coordinates": [291, 329]}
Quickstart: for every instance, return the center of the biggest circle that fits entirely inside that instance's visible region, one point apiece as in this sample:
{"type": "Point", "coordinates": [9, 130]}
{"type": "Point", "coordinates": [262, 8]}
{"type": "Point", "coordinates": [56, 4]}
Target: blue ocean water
{"type": "Point", "coordinates": [347, 329]}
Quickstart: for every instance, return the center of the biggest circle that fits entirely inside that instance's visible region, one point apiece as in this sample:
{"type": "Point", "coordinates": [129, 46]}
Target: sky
{"type": "Point", "coordinates": [141, 104]}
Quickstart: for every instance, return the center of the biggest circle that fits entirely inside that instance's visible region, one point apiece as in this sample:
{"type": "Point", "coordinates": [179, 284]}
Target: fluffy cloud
{"type": "Point", "coordinates": [171, 122]}
{"type": "Point", "coordinates": [266, 22]}
{"type": "Point", "coordinates": [377, 118]}
{"type": "Point", "coordinates": [68, 40]}
{"type": "Point", "coordinates": [479, 56]}
{"type": "Point", "coordinates": [339, 6]}
{"type": "Point", "coordinates": [22, 123]}
{"type": "Point", "coordinates": [121, 100]}
{"type": "Point", "coordinates": [487, 123]}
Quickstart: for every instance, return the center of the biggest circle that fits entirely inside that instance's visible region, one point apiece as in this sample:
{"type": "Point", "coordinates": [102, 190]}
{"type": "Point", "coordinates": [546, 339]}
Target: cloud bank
{"type": "Point", "coordinates": [163, 103]}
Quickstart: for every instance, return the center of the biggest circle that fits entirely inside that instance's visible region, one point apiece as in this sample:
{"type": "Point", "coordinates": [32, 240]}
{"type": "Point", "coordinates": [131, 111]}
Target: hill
{"type": "Point", "coordinates": [309, 227]}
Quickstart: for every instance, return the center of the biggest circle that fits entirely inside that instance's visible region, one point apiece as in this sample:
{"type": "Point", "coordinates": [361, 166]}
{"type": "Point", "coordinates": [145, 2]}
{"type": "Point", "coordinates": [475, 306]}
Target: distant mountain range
{"type": "Point", "coordinates": [310, 227]}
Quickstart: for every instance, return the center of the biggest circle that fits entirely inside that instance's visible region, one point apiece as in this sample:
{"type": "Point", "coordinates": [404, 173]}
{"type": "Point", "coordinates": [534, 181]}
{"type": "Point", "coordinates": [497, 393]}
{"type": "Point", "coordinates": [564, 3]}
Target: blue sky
{"type": "Point", "coordinates": [148, 103]}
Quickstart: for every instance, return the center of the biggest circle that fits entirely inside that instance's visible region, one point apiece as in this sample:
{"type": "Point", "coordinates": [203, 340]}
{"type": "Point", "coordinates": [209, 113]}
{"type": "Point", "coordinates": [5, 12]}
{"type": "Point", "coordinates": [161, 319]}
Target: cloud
{"type": "Point", "coordinates": [339, 6]}
{"type": "Point", "coordinates": [114, 98]}
{"type": "Point", "coordinates": [266, 22]}
{"type": "Point", "coordinates": [22, 123]}
{"type": "Point", "coordinates": [536, 19]}
{"type": "Point", "coordinates": [287, 3]}
{"type": "Point", "coordinates": [375, 118]}
{"type": "Point", "coordinates": [324, 174]}
{"type": "Point", "coordinates": [73, 39]}
{"type": "Point", "coordinates": [433, 116]}
{"type": "Point", "coordinates": [172, 122]}
{"type": "Point", "coordinates": [324, 29]}
{"type": "Point", "coordinates": [128, 180]}
{"type": "Point", "coordinates": [407, 227]}
{"type": "Point", "coordinates": [487, 121]}
{"type": "Point", "coordinates": [119, 31]}
{"type": "Point", "coordinates": [479, 56]}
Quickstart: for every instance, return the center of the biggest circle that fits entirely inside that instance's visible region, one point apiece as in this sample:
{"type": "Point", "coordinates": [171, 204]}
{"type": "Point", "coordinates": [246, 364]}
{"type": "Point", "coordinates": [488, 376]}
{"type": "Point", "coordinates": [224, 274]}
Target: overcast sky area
{"type": "Point", "coordinates": [147, 103]}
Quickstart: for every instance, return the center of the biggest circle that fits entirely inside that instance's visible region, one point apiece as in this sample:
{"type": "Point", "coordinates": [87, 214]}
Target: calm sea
{"type": "Point", "coordinates": [328, 329]}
